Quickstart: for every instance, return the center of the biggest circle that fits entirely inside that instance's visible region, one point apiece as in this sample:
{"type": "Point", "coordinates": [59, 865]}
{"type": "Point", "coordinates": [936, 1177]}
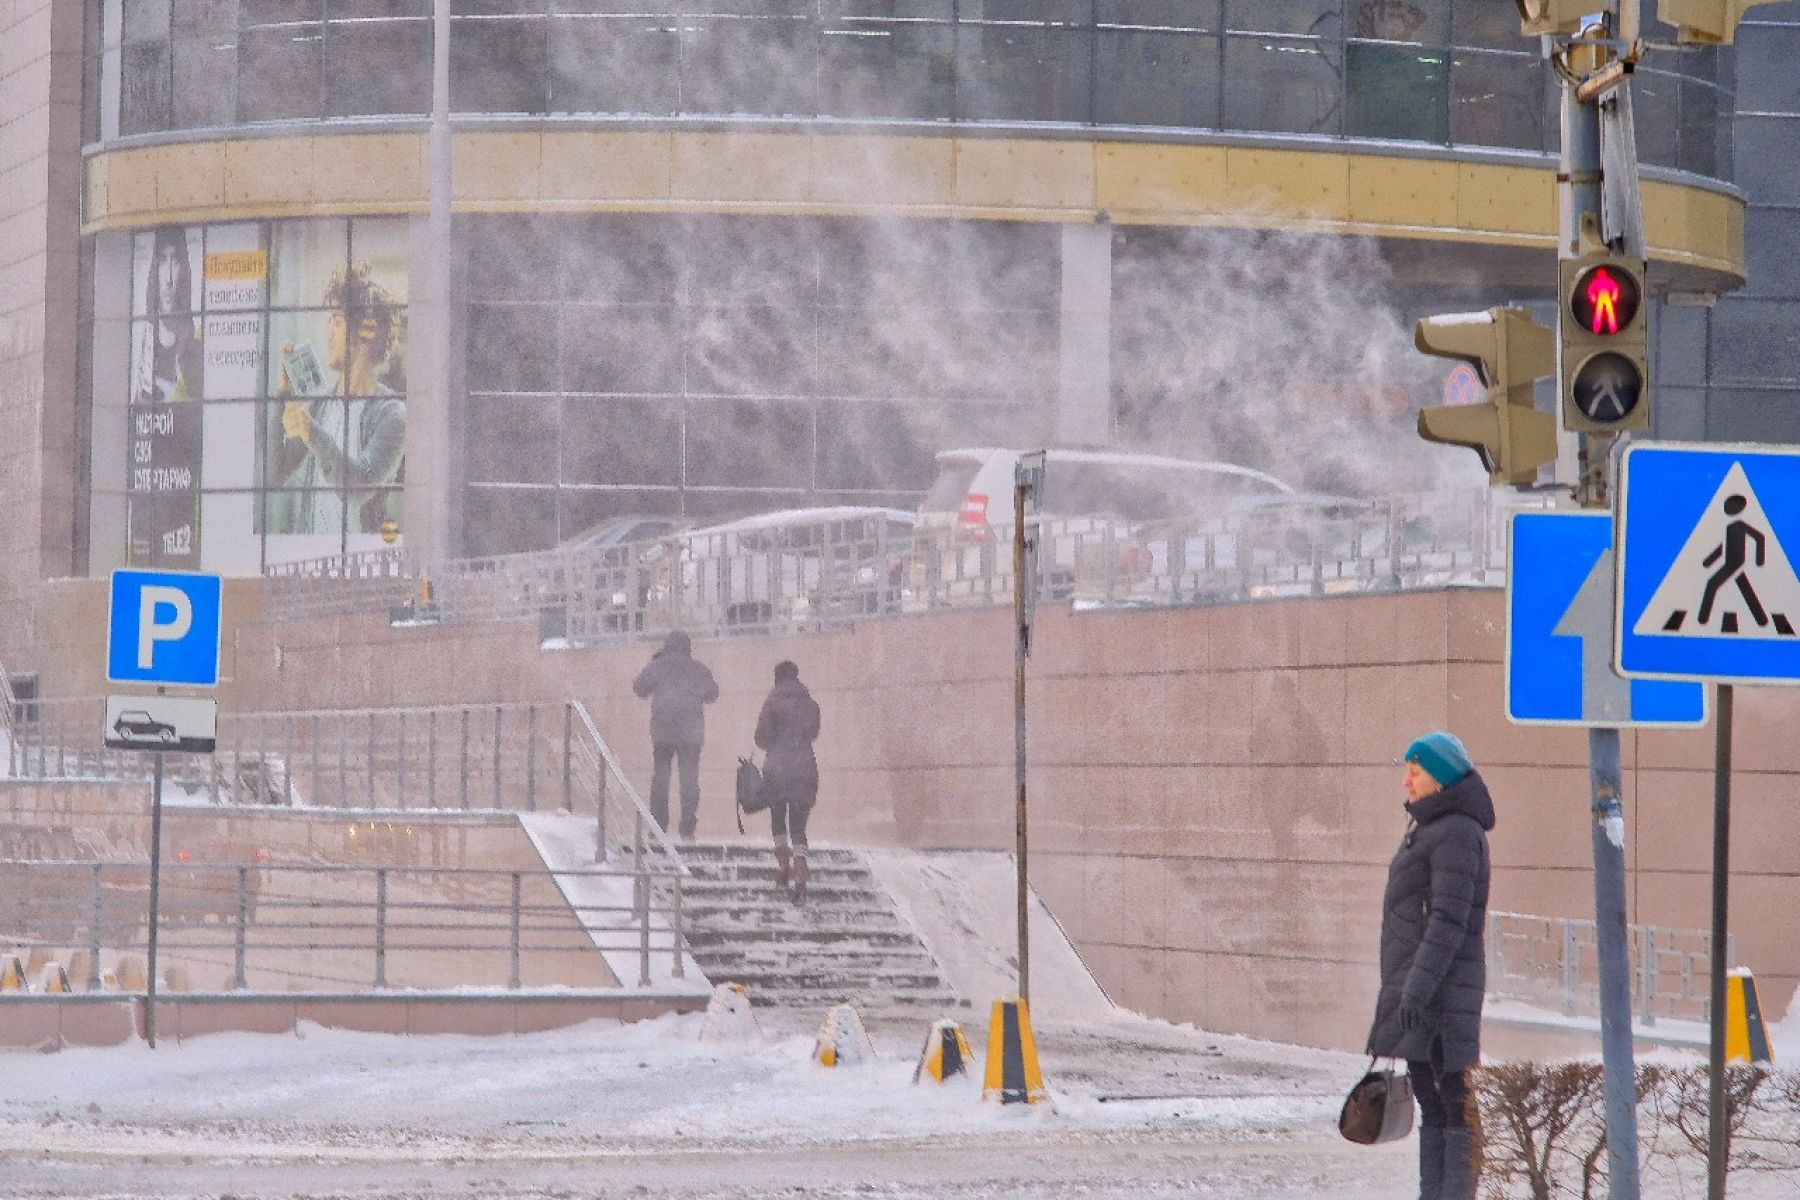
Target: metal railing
{"type": "Point", "coordinates": [740, 583]}
{"type": "Point", "coordinates": [1553, 962]}
{"type": "Point", "coordinates": [229, 926]}
{"type": "Point", "coordinates": [514, 757]}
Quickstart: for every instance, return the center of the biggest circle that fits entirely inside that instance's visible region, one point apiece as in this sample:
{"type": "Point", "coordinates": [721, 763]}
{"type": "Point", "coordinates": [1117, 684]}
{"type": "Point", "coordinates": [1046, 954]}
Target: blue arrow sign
{"type": "Point", "coordinates": [1707, 586]}
{"type": "Point", "coordinates": [1559, 608]}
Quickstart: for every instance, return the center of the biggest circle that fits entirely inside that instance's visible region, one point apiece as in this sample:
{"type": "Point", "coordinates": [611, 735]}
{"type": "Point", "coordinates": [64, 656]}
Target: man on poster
{"type": "Point", "coordinates": [342, 452]}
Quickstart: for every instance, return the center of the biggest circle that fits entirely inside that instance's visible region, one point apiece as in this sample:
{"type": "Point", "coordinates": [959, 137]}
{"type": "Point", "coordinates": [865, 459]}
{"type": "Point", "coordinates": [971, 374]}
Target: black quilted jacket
{"type": "Point", "coordinates": [1432, 920]}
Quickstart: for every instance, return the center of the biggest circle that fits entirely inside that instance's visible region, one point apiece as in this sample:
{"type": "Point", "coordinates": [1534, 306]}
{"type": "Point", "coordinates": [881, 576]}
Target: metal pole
{"type": "Point", "coordinates": [239, 948]}
{"type": "Point", "coordinates": [1581, 197]}
{"type": "Point", "coordinates": [1019, 635]}
{"type": "Point", "coordinates": [513, 978]}
{"type": "Point", "coordinates": [93, 979]}
{"type": "Point", "coordinates": [381, 927]}
{"type": "Point", "coordinates": [1717, 1131]}
{"type": "Point", "coordinates": [1611, 947]}
{"type": "Point", "coordinates": [156, 807]}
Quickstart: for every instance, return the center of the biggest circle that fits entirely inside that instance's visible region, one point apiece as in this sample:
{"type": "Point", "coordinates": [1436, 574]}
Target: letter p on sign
{"type": "Point", "coordinates": [151, 600]}
{"type": "Point", "coordinates": [163, 628]}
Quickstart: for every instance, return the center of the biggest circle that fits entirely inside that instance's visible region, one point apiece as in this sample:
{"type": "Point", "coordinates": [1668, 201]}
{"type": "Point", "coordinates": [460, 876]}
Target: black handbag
{"type": "Point", "coordinates": [1378, 1109]}
{"type": "Point", "coordinates": [752, 792]}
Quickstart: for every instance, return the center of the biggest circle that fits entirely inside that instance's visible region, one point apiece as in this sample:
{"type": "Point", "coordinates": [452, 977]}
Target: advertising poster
{"type": "Point", "coordinates": [333, 450]}
{"type": "Point", "coordinates": [167, 384]}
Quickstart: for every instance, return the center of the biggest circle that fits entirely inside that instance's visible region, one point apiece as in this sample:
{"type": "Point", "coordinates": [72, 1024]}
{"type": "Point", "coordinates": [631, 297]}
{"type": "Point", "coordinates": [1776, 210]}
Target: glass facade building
{"type": "Point", "coordinates": [244, 382]}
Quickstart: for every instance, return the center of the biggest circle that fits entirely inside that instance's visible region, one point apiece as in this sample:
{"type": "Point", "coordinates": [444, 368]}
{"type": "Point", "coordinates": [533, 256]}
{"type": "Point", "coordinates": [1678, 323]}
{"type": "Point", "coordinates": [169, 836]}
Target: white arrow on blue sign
{"type": "Point", "coordinates": [1708, 539]}
{"type": "Point", "coordinates": [163, 627]}
{"type": "Point", "coordinates": [1559, 609]}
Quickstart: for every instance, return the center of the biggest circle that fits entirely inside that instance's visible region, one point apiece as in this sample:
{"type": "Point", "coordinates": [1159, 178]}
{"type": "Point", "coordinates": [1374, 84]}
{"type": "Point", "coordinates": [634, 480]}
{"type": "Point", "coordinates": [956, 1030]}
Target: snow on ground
{"type": "Point", "coordinates": [1140, 1110]}
{"type": "Point", "coordinates": [963, 903]}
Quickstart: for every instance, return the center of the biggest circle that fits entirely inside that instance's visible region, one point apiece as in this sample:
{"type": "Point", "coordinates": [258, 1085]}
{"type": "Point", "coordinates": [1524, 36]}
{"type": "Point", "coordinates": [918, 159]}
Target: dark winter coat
{"type": "Point", "coordinates": [1433, 917]}
{"type": "Point", "coordinates": [787, 728]}
{"type": "Point", "coordinates": [678, 687]}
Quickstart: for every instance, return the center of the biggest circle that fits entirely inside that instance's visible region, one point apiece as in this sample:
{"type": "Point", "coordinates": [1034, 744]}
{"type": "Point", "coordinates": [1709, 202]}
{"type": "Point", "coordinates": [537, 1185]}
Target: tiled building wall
{"type": "Point", "coordinates": [40, 211]}
{"type": "Point", "coordinates": [1214, 799]}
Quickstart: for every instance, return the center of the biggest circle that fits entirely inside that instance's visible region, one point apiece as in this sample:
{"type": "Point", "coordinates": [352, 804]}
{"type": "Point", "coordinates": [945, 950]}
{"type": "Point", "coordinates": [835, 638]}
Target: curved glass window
{"type": "Point", "coordinates": [1438, 72]}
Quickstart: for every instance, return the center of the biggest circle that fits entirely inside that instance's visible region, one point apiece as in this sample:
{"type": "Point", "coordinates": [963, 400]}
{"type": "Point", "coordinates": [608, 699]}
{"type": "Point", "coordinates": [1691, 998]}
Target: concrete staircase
{"type": "Point", "coordinates": [848, 943]}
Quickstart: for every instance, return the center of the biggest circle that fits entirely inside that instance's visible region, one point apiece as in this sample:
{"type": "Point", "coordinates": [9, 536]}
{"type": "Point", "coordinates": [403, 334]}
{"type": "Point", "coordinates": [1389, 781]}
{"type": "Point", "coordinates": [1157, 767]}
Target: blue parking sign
{"type": "Point", "coordinates": [163, 627]}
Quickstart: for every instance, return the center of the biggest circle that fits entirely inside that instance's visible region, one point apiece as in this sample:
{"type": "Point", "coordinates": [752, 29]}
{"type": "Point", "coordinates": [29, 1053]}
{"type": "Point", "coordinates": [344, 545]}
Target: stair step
{"type": "Point", "coordinates": [835, 935]}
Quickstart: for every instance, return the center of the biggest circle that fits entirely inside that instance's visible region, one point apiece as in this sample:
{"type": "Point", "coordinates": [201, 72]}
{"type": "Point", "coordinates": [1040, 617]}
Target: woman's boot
{"type": "Point", "coordinates": [782, 860]}
{"type": "Point", "coordinates": [1431, 1162]}
{"type": "Point", "coordinates": [1462, 1165]}
{"type": "Point", "coordinates": [800, 879]}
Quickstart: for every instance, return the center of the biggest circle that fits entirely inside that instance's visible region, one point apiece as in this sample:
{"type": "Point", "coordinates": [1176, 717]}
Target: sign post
{"type": "Point", "coordinates": [163, 627]}
{"type": "Point", "coordinates": [1708, 591]}
{"type": "Point", "coordinates": [1028, 485]}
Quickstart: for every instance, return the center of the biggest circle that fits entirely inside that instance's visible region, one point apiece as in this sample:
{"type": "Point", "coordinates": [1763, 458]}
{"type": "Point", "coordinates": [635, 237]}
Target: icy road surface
{"type": "Point", "coordinates": [1141, 1110]}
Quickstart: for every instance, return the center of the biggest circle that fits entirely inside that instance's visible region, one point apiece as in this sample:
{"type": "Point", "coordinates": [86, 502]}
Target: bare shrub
{"type": "Point", "coordinates": [1538, 1125]}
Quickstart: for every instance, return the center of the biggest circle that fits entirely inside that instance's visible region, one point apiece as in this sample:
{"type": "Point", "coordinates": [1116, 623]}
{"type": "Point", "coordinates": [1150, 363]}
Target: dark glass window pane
{"type": "Point", "coordinates": [496, 61]}
{"type": "Point", "coordinates": [1019, 72]}
{"type": "Point", "coordinates": [512, 439]}
{"type": "Point", "coordinates": [1655, 107]}
{"type": "Point", "coordinates": [749, 444]}
{"type": "Point", "coordinates": [621, 64]}
{"type": "Point", "coordinates": [761, 65]}
{"type": "Point", "coordinates": [1768, 74]}
{"type": "Point", "coordinates": [584, 509]}
{"type": "Point", "coordinates": [1775, 261]}
{"type": "Point", "coordinates": [636, 442]}
{"type": "Point", "coordinates": [1754, 340]}
{"type": "Point", "coordinates": [146, 20]}
{"type": "Point", "coordinates": [1499, 101]}
{"type": "Point", "coordinates": [205, 82]}
{"type": "Point", "coordinates": [877, 67]}
{"type": "Point", "coordinates": [1766, 167]}
{"type": "Point", "coordinates": [878, 447]}
{"type": "Point", "coordinates": [144, 88]}
{"type": "Point", "coordinates": [1400, 21]}
{"type": "Point", "coordinates": [621, 348]}
{"type": "Point", "coordinates": [1701, 121]}
{"type": "Point", "coordinates": [1159, 14]}
{"type": "Point", "coordinates": [1283, 85]}
{"type": "Point", "coordinates": [1156, 78]}
{"type": "Point", "coordinates": [1485, 24]}
{"type": "Point", "coordinates": [508, 520]}
{"type": "Point", "coordinates": [211, 18]}
{"type": "Point", "coordinates": [378, 65]}
{"type": "Point", "coordinates": [715, 505]}
{"type": "Point", "coordinates": [512, 347]}
{"type": "Point", "coordinates": [279, 62]}
{"type": "Point", "coordinates": [1285, 16]}
{"type": "Point", "coordinates": [758, 350]}
{"type": "Point", "coordinates": [1396, 91]}
{"type": "Point", "coordinates": [751, 261]}
{"type": "Point", "coordinates": [514, 258]}
{"type": "Point", "coordinates": [634, 258]}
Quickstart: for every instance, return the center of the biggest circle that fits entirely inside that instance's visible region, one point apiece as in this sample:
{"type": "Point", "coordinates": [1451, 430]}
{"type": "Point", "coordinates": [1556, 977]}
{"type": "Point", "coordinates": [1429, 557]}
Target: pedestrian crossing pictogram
{"type": "Point", "coordinates": [1731, 578]}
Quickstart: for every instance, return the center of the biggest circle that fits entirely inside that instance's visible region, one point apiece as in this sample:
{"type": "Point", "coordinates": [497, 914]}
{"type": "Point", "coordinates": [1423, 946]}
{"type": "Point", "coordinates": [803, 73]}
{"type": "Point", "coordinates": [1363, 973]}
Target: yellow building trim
{"type": "Point", "coordinates": [978, 178]}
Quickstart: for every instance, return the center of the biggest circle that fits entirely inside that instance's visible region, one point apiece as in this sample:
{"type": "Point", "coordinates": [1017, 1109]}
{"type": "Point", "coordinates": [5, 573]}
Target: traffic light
{"type": "Point", "coordinates": [1708, 22]}
{"type": "Point", "coordinates": [1604, 366]}
{"type": "Point", "coordinates": [1554, 16]}
{"type": "Point", "coordinates": [1510, 352]}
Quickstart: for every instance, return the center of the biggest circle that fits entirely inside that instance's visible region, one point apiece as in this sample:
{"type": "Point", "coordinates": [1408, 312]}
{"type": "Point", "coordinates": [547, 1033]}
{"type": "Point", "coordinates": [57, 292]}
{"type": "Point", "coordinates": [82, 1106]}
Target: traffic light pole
{"type": "Point", "coordinates": [1582, 200]}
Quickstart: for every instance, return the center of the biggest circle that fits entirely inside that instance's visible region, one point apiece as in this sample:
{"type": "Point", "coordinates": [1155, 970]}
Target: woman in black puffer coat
{"type": "Point", "coordinates": [1433, 956]}
{"type": "Point", "coordinates": [786, 729]}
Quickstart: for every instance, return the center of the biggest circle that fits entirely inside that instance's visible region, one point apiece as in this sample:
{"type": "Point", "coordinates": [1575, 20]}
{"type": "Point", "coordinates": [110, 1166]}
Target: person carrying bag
{"type": "Point", "coordinates": [786, 729]}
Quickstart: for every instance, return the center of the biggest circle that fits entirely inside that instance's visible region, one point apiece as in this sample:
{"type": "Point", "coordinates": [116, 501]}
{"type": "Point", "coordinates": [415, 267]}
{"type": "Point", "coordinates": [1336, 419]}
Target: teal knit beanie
{"type": "Point", "coordinates": [1442, 756]}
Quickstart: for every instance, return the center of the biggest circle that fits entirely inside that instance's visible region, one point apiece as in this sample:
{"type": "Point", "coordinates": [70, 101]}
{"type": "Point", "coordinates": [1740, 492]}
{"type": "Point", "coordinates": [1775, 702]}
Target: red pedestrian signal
{"type": "Point", "coordinates": [1604, 300]}
{"type": "Point", "coordinates": [1604, 360]}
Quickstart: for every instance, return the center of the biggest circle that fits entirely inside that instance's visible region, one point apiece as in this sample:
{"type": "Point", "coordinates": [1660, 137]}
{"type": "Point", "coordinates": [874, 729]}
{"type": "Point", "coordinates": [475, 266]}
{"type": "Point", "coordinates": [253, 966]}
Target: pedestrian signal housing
{"type": "Point", "coordinates": [1553, 16]}
{"type": "Point", "coordinates": [1510, 352]}
{"type": "Point", "coordinates": [1705, 22]}
{"type": "Point", "coordinates": [1604, 364]}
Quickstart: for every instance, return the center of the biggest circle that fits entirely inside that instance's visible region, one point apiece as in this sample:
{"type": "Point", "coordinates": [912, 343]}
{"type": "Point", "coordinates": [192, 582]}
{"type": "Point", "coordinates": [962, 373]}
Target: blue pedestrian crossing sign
{"type": "Point", "coordinates": [1559, 639]}
{"type": "Point", "coordinates": [1707, 587]}
{"type": "Point", "coordinates": [163, 627]}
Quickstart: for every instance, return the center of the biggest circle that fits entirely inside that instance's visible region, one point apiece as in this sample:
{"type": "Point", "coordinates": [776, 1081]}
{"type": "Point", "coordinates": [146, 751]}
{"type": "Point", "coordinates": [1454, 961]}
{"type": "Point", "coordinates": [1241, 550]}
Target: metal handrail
{"type": "Point", "coordinates": [520, 756]}
{"type": "Point", "coordinates": [1554, 961]}
{"type": "Point", "coordinates": [226, 915]}
{"type": "Point", "coordinates": [731, 583]}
